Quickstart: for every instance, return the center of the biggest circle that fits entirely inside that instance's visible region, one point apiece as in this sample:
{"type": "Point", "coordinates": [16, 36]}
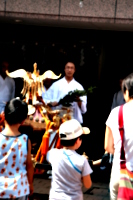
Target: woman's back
{"type": "Point", "coordinates": [112, 122]}
{"type": "Point", "coordinates": [128, 133]}
{"type": "Point", "coordinates": [113, 139]}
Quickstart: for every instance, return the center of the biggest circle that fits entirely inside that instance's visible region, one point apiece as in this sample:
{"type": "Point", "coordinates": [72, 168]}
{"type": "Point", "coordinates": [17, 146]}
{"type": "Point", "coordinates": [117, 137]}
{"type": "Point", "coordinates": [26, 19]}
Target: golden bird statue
{"type": "Point", "coordinates": [33, 82]}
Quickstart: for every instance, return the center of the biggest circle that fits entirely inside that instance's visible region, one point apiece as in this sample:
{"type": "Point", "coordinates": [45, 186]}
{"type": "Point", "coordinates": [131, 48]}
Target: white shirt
{"type": "Point", "coordinates": [68, 167]}
{"type": "Point", "coordinates": [7, 91]}
{"type": "Point", "coordinates": [61, 88]}
{"type": "Point", "coordinates": [112, 122]}
{"type": "Point", "coordinates": [44, 95]}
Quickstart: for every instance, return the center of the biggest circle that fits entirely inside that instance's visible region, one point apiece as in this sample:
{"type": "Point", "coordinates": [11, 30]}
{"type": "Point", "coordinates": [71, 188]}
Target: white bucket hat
{"type": "Point", "coordinates": [72, 129]}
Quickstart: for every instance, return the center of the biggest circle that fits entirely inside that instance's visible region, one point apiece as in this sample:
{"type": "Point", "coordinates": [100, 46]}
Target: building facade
{"type": "Point", "coordinates": [96, 14]}
{"type": "Point", "coordinates": [96, 34]}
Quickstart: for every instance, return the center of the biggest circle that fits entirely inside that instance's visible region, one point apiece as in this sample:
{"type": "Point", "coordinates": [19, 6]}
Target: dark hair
{"type": "Point", "coordinates": [15, 111]}
{"type": "Point", "coordinates": [70, 143]}
{"type": "Point", "coordinates": [127, 84]}
{"type": "Point", "coordinates": [71, 60]}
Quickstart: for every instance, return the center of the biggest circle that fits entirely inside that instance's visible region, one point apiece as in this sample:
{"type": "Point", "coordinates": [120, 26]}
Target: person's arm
{"type": "Point", "coordinates": [86, 171]}
{"type": "Point", "coordinates": [87, 181]}
{"type": "Point", "coordinates": [29, 167]}
{"type": "Point", "coordinates": [48, 94]}
{"type": "Point", "coordinates": [98, 162]}
{"type": "Point", "coordinates": [109, 141]}
{"type": "Point", "coordinates": [78, 100]}
{"type": "Point", "coordinates": [50, 97]}
{"type": "Point", "coordinates": [83, 104]}
{"type": "Point", "coordinates": [82, 101]}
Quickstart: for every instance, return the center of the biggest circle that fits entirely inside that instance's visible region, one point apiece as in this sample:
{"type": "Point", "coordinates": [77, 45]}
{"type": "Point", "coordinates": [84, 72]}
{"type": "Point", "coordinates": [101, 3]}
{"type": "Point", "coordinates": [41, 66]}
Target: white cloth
{"type": "Point", "coordinates": [7, 91]}
{"type": "Point", "coordinates": [61, 88]}
{"type": "Point", "coordinates": [66, 181]}
{"type": "Point", "coordinates": [114, 184]}
{"type": "Point", "coordinates": [112, 122]}
{"type": "Point", "coordinates": [44, 95]}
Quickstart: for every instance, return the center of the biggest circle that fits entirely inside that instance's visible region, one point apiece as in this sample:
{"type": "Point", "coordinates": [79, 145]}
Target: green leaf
{"type": "Point", "coordinates": [71, 96]}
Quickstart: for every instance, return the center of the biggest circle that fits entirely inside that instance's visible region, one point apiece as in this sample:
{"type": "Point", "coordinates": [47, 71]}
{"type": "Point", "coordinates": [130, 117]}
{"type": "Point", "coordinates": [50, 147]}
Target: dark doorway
{"type": "Point", "coordinates": [101, 57]}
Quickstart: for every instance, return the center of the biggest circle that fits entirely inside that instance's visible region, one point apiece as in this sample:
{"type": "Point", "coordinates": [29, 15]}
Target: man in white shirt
{"type": "Point", "coordinates": [7, 86]}
{"type": "Point", "coordinates": [61, 88]}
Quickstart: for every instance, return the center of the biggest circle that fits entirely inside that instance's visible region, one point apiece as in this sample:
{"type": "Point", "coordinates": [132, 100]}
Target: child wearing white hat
{"type": "Point", "coordinates": [69, 169]}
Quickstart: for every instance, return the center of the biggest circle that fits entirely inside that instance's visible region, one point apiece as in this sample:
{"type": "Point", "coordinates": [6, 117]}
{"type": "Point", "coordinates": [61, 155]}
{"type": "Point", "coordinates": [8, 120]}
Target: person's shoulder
{"type": "Point", "coordinates": [112, 116]}
{"type": "Point", "coordinates": [23, 136]}
{"type": "Point", "coordinates": [52, 154]}
{"type": "Point", "coordinates": [54, 151]}
{"type": "Point", "coordinates": [78, 84]}
{"type": "Point", "coordinates": [115, 111]}
{"type": "Point", "coordinates": [11, 80]}
{"type": "Point", "coordinates": [58, 82]}
{"type": "Point", "coordinates": [80, 157]}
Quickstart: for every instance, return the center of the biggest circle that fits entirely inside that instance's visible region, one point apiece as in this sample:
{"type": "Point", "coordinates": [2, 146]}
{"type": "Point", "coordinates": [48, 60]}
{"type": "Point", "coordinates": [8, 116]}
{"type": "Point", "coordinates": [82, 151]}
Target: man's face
{"type": "Point", "coordinates": [69, 69]}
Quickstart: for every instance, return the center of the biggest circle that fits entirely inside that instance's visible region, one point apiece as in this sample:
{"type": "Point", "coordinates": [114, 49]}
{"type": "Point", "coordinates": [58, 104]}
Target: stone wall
{"type": "Point", "coordinates": [97, 11]}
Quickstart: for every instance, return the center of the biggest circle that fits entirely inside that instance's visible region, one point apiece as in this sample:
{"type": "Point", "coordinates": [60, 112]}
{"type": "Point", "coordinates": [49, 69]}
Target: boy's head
{"type": "Point", "coordinates": [15, 111]}
{"type": "Point", "coordinates": [70, 131]}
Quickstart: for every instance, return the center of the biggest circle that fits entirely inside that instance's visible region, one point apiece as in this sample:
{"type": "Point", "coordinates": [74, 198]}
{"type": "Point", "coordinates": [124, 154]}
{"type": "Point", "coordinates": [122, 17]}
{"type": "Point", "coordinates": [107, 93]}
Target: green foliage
{"type": "Point", "coordinates": [73, 96]}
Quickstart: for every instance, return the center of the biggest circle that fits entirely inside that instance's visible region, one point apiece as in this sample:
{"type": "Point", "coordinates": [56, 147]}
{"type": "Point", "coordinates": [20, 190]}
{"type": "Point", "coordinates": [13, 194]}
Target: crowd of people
{"type": "Point", "coordinates": [69, 169]}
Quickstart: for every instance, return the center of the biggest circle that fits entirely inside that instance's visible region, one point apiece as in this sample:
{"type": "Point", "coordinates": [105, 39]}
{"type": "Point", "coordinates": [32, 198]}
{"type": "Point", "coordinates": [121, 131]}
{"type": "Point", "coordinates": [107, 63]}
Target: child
{"type": "Point", "coordinates": [69, 169]}
{"type": "Point", "coordinates": [16, 169]}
